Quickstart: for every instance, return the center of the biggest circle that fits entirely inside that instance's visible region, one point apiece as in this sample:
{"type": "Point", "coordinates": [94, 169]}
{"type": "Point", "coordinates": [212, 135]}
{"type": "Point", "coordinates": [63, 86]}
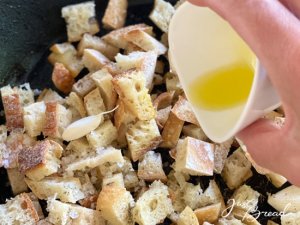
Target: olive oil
{"type": "Point", "coordinates": [223, 88]}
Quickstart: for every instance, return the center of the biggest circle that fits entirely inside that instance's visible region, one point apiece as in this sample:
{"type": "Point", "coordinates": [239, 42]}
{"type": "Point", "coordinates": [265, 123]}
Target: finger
{"type": "Point", "coordinates": [271, 148]}
{"type": "Point", "coordinates": [272, 32]}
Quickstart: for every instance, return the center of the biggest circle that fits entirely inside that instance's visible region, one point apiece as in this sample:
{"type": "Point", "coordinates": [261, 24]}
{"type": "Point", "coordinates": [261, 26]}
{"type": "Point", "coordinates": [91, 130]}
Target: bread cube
{"type": "Point", "coordinates": [171, 132]}
{"type": "Point", "coordinates": [115, 14]}
{"type": "Point", "coordinates": [41, 160]}
{"type": "Point", "coordinates": [19, 210]}
{"type": "Point", "coordinates": [34, 118]}
{"type": "Point", "coordinates": [80, 19]}
{"type": "Point", "coordinates": [151, 168]}
{"type": "Point", "coordinates": [161, 14]}
{"type": "Point", "coordinates": [162, 116]}
{"type": "Point", "coordinates": [117, 39]}
{"type": "Point", "coordinates": [96, 43]}
{"type": "Point", "coordinates": [237, 169]}
{"type": "Point", "coordinates": [93, 102]}
{"type": "Point", "coordinates": [92, 160]}
{"type": "Point", "coordinates": [66, 54]}
{"type": "Point", "coordinates": [75, 101]}
{"type": "Point", "coordinates": [145, 41]}
{"type": "Point", "coordinates": [83, 86]}
{"type": "Point", "coordinates": [65, 189]}
{"type": "Point", "coordinates": [62, 78]}
{"type": "Point", "coordinates": [194, 131]}
{"type": "Point", "coordinates": [192, 195]}
{"type": "Point", "coordinates": [195, 157]}
{"type": "Point", "coordinates": [245, 198]}
{"type": "Point", "coordinates": [26, 94]}
{"type": "Point", "coordinates": [276, 179]}
{"type": "Point", "coordinates": [270, 222]}
{"type": "Point", "coordinates": [229, 221]}
{"type": "Point", "coordinates": [94, 60]}
{"type": "Point", "coordinates": [103, 80]}
{"type": "Point", "coordinates": [115, 204]}
{"type": "Point", "coordinates": [16, 181]}
{"type": "Point", "coordinates": [115, 179]}
{"type": "Point", "coordinates": [144, 61]}
{"type": "Point", "coordinates": [49, 95]}
{"type": "Point", "coordinates": [183, 110]}
{"type": "Point", "coordinates": [130, 87]}
{"type": "Point", "coordinates": [153, 206]}
{"type": "Point", "coordinates": [142, 137]}
{"type": "Point", "coordinates": [12, 108]}
{"type": "Point", "coordinates": [290, 219]}
{"type": "Point", "coordinates": [220, 155]}
{"type": "Point", "coordinates": [187, 217]}
{"type": "Point", "coordinates": [57, 118]}
{"type": "Point", "coordinates": [103, 136]}
{"type": "Point", "coordinates": [208, 213]}
{"type": "Point", "coordinates": [173, 83]}
{"type": "Point", "coordinates": [65, 213]}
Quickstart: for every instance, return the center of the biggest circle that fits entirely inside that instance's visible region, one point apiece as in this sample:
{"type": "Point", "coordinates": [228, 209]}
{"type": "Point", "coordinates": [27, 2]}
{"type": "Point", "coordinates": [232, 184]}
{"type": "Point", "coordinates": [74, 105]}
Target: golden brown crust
{"type": "Point", "coordinates": [62, 78]}
{"type": "Point", "coordinates": [51, 125]}
{"type": "Point", "coordinates": [163, 100]}
{"type": "Point", "coordinates": [183, 110]}
{"type": "Point", "coordinates": [171, 132]}
{"type": "Point", "coordinates": [209, 213]}
{"type": "Point", "coordinates": [27, 204]}
{"type": "Point", "coordinates": [33, 157]}
{"type": "Point", "coordinates": [115, 14]}
{"type": "Point", "coordinates": [89, 201]}
{"type": "Point", "coordinates": [13, 111]}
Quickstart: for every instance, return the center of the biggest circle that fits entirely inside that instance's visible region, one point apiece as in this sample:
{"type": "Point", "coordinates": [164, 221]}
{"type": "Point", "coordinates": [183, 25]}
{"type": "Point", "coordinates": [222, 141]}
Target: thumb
{"type": "Point", "coordinates": [271, 147]}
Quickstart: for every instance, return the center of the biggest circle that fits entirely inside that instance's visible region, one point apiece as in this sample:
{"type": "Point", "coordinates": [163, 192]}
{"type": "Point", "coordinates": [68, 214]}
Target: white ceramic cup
{"type": "Point", "coordinates": [200, 41]}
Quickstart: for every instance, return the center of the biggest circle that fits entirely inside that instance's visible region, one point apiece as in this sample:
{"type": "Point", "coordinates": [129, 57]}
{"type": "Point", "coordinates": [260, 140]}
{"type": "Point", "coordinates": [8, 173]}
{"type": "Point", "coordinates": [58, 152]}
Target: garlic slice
{"type": "Point", "coordinates": [84, 126]}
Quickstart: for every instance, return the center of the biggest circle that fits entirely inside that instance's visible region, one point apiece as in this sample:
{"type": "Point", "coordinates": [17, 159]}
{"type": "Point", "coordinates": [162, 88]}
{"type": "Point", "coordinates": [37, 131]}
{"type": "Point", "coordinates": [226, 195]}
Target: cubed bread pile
{"type": "Point", "coordinates": [95, 153]}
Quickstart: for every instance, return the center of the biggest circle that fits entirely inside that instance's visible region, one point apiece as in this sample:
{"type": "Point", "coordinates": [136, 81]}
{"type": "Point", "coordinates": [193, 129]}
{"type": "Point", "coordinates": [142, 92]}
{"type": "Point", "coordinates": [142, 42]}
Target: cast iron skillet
{"type": "Point", "coordinates": [27, 30]}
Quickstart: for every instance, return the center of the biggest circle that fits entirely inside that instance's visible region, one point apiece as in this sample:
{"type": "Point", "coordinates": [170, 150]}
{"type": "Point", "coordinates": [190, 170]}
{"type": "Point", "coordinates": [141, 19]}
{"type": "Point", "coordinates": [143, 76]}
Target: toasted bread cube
{"type": "Point", "coordinates": [144, 61]}
{"type": "Point", "coordinates": [142, 137]}
{"type": "Point", "coordinates": [26, 94]}
{"type": "Point", "coordinates": [93, 102]}
{"type": "Point", "coordinates": [192, 195]}
{"type": "Point", "coordinates": [41, 160]}
{"type": "Point", "coordinates": [80, 19]}
{"type": "Point", "coordinates": [171, 131]}
{"type": "Point", "coordinates": [131, 90]}
{"type": "Point", "coordinates": [3, 133]}
{"type": "Point", "coordinates": [173, 83]}
{"type": "Point", "coordinates": [103, 80]}
{"type": "Point", "coordinates": [93, 160]}
{"type": "Point", "coordinates": [245, 217]}
{"type": "Point", "coordinates": [145, 41]}
{"type": "Point", "coordinates": [66, 54]}
{"type": "Point", "coordinates": [103, 136]}
{"type": "Point", "coordinates": [96, 43]}
{"type": "Point", "coordinates": [64, 213]}
{"type": "Point", "coordinates": [132, 48]}
{"type": "Point", "coordinates": [75, 101]}
{"type": "Point", "coordinates": [78, 147]}
{"type": "Point", "coordinates": [16, 181]}
{"type": "Point", "coordinates": [194, 131]}
{"type": "Point", "coordinates": [65, 189]}
{"type": "Point", "coordinates": [162, 116]}
{"type": "Point", "coordinates": [150, 168]}
{"type": "Point", "coordinates": [57, 118]}
{"type": "Point", "coordinates": [94, 60]}
{"type": "Point", "coordinates": [290, 219]}
{"type": "Point", "coordinates": [34, 118]}
{"type": "Point", "coordinates": [12, 107]}
{"type": "Point", "coordinates": [209, 213]}
{"type": "Point", "coordinates": [83, 86]}
{"type": "Point", "coordinates": [183, 110]}
{"type": "Point", "coordinates": [115, 14]}
{"type": "Point", "coordinates": [62, 78]}
{"type": "Point", "coordinates": [19, 210]}
{"type": "Point", "coordinates": [276, 179]}
{"type": "Point", "coordinates": [195, 157]}
{"type": "Point", "coordinates": [116, 179]}
{"type": "Point", "coordinates": [161, 14]}
{"type": "Point", "coordinates": [229, 221]}
{"type": "Point", "coordinates": [115, 204]}
{"type": "Point", "coordinates": [49, 95]}
{"type": "Point", "coordinates": [153, 206]}
{"type": "Point", "coordinates": [187, 217]}
{"type": "Point", "coordinates": [212, 195]}
{"type": "Point", "coordinates": [89, 202]}
{"type": "Point", "coordinates": [220, 155]}
{"type": "Point", "coordinates": [288, 196]}
{"type": "Point", "coordinates": [245, 194]}
{"type": "Point", "coordinates": [237, 169]}
{"type": "Point", "coordinates": [116, 37]}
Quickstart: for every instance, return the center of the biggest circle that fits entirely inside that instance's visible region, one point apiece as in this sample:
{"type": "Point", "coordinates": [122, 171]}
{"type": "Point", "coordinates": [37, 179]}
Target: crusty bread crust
{"type": "Point", "coordinates": [51, 123]}
{"type": "Point", "coordinates": [13, 111]}
{"type": "Point", "coordinates": [62, 78]}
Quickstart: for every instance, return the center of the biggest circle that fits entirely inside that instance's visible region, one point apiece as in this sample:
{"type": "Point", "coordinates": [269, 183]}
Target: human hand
{"type": "Point", "coordinates": [272, 30]}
